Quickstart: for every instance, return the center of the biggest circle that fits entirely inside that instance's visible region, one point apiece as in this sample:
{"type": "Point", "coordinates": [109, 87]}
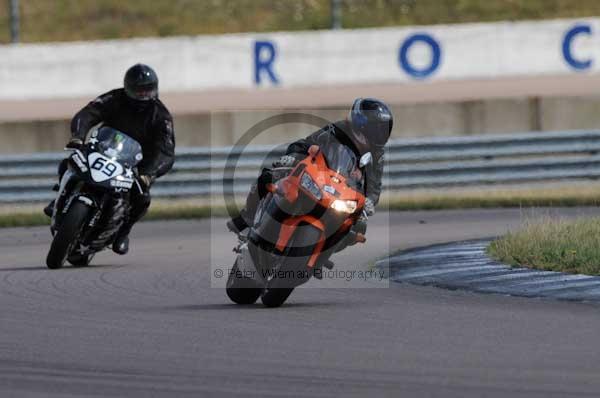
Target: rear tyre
{"type": "Point", "coordinates": [66, 235]}
{"type": "Point", "coordinates": [275, 297]}
{"type": "Point", "coordinates": [240, 289]}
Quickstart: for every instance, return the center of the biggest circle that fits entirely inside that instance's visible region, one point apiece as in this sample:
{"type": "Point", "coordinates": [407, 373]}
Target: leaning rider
{"type": "Point", "coordinates": [367, 129]}
{"type": "Point", "coordinates": [136, 111]}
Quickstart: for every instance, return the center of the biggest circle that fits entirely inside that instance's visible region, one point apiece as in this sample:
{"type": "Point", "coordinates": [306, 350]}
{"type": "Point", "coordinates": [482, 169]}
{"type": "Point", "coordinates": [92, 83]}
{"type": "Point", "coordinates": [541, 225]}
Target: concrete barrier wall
{"type": "Point", "coordinates": [440, 80]}
{"type": "Point", "coordinates": [417, 120]}
{"type": "Point", "coordinates": [320, 58]}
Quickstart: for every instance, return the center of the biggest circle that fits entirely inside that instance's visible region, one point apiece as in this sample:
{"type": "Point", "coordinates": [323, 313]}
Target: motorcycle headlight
{"type": "Point", "coordinates": [344, 206]}
{"type": "Point", "coordinates": [307, 183]}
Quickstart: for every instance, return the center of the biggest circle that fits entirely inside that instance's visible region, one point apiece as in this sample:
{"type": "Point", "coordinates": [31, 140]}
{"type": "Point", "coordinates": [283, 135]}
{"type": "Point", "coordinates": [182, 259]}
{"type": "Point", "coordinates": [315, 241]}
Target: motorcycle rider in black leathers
{"type": "Point", "coordinates": [136, 111]}
{"type": "Point", "coordinates": [367, 129]}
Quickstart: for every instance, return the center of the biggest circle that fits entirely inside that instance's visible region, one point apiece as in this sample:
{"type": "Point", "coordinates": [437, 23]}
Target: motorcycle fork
{"type": "Point", "coordinates": [105, 222]}
{"type": "Point", "coordinates": [67, 191]}
{"type": "Point", "coordinates": [95, 221]}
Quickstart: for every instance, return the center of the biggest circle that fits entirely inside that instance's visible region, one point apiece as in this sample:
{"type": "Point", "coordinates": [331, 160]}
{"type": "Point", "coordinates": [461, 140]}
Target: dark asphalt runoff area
{"type": "Point", "coordinates": [150, 325]}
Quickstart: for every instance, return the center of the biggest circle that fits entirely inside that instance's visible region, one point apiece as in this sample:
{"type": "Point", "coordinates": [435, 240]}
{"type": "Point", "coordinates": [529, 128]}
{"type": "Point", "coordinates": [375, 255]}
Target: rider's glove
{"type": "Point", "coordinates": [285, 161]}
{"type": "Point", "coordinates": [369, 207]}
{"type": "Point", "coordinates": [145, 181]}
{"type": "Point", "coordinates": [74, 143]}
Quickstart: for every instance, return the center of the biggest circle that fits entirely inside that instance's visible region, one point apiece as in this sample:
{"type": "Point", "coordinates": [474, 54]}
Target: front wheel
{"type": "Point", "coordinates": [240, 289]}
{"type": "Point", "coordinates": [67, 234]}
{"type": "Point", "coordinates": [80, 261]}
{"type": "Point", "coordinates": [294, 270]}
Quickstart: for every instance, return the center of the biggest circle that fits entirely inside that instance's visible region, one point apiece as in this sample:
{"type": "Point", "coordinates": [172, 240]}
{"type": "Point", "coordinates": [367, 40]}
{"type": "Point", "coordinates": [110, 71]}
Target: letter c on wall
{"type": "Point", "coordinates": [567, 47]}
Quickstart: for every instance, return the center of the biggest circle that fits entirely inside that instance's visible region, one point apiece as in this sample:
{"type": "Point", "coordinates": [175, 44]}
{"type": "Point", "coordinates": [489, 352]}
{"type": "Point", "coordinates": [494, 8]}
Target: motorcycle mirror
{"type": "Point", "coordinates": [365, 159]}
{"type": "Point", "coordinates": [271, 188]}
{"type": "Point", "coordinates": [313, 150]}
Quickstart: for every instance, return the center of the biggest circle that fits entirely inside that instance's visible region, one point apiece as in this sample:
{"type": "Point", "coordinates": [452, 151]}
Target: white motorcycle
{"type": "Point", "coordinates": [93, 197]}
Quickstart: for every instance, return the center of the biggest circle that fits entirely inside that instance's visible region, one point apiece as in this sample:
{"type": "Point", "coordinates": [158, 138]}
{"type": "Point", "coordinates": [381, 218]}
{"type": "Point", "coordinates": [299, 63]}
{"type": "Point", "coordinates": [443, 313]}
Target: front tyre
{"type": "Point", "coordinates": [78, 260]}
{"type": "Point", "coordinates": [67, 234]}
{"type": "Point", "coordinates": [240, 289]}
{"type": "Point", "coordinates": [295, 265]}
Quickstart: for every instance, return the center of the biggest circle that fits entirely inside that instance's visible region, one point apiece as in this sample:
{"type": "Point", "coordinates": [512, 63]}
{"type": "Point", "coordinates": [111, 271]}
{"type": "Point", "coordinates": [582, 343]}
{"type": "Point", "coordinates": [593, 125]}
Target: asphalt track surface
{"type": "Point", "coordinates": [149, 324]}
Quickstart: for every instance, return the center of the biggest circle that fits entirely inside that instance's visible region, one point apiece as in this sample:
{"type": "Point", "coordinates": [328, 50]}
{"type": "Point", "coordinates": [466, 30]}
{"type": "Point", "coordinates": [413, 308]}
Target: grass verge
{"type": "Point", "coordinates": [66, 20]}
{"type": "Point", "coordinates": [571, 246]}
{"type": "Point", "coordinates": [31, 215]}
{"type": "Point", "coordinates": [571, 195]}
{"type": "Point", "coordinates": [546, 196]}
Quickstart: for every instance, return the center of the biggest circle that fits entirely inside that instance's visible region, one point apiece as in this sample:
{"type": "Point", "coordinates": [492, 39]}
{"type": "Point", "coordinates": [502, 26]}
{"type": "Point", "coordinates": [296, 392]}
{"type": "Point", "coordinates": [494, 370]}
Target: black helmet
{"type": "Point", "coordinates": [141, 83]}
{"type": "Point", "coordinates": [371, 121]}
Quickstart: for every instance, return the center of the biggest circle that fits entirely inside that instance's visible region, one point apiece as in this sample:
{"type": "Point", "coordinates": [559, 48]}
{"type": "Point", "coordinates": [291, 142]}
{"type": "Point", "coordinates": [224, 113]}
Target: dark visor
{"type": "Point", "coordinates": [143, 93]}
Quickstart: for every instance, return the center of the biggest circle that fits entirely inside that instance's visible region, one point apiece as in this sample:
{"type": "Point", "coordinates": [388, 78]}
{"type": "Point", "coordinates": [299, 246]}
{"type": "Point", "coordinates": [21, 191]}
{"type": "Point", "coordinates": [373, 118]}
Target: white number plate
{"type": "Point", "coordinates": [103, 168]}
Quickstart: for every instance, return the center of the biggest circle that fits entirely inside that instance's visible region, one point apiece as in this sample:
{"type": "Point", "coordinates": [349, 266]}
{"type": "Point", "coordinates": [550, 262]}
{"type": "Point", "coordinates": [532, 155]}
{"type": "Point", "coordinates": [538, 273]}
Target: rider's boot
{"type": "Point", "coordinates": [318, 269]}
{"type": "Point", "coordinates": [121, 242]}
{"type": "Point", "coordinates": [137, 211]}
{"type": "Point", "coordinates": [242, 221]}
{"type": "Point", "coordinates": [49, 209]}
{"type": "Point", "coordinates": [237, 224]}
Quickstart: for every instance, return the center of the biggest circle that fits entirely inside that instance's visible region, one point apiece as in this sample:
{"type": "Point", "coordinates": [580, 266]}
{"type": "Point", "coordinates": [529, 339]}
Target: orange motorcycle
{"type": "Point", "coordinates": [311, 211]}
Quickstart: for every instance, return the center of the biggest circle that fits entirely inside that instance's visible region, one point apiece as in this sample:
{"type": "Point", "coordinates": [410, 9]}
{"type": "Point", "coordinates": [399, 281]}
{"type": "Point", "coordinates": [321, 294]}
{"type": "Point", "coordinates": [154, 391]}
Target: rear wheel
{"type": "Point", "coordinates": [241, 290]}
{"type": "Point", "coordinates": [275, 297]}
{"type": "Point", "coordinates": [67, 234]}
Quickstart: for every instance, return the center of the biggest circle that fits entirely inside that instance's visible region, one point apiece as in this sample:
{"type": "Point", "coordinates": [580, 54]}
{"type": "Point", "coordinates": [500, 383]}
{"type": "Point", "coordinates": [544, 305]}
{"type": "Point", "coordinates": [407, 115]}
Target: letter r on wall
{"type": "Point", "coordinates": [264, 57]}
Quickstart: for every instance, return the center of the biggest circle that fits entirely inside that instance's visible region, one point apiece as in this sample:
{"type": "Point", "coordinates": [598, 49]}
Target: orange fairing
{"type": "Point", "coordinates": [332, 186]}
{"type": "Point", "coordinates": [289, 227]}
{"type": "Point", "coordinates": [316, 166]}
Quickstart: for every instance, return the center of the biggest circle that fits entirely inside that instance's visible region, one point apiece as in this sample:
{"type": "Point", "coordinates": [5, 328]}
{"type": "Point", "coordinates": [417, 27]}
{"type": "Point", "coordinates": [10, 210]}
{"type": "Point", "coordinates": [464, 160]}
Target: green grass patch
{"type": "Point", "coordinates": [571, 246]}
{"type": "Point", "coordinates": [163, 209]}
{"type": "Point", "coordinates": [68, 20]}
{"type": "Point", "coordinates": [23, 219]}
{"type": "Point", "coordinates": [493, 198]}
{"type": "Point", "coordinates": [35, 217]}
{"type": "Point", "coordinates": [185, 212]}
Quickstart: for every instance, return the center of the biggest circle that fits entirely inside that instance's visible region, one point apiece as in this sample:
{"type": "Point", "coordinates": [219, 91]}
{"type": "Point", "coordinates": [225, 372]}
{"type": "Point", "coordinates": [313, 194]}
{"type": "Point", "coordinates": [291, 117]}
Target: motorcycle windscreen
{"type": "Point", "coordinates": [117, 146]}
{"type": "Point", "coordinates": [341, 159]}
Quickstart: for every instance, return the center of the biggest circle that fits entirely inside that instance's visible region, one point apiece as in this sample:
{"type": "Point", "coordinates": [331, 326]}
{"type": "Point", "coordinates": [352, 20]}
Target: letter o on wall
{"type": "Point", "coordinates": [436, 52]}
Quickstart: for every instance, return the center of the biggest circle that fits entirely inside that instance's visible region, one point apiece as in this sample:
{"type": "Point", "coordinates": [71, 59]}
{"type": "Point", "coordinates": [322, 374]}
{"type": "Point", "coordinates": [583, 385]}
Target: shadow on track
{"type": "Point", "coordinates": [65, 268]}
{"type": "Point", "coordinates": [14, 269]}
{"type": "Point", "coordinates": [256, 306]}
